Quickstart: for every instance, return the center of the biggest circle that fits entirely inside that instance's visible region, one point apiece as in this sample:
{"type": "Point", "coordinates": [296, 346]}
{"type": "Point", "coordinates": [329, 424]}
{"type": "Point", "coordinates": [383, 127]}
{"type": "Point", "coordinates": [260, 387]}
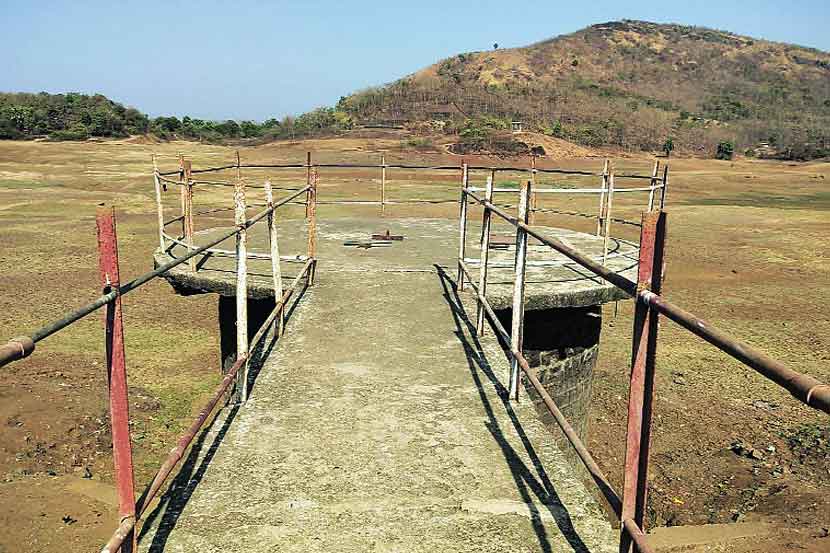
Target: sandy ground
{"type": "Point", "coordinates": [746, 251]}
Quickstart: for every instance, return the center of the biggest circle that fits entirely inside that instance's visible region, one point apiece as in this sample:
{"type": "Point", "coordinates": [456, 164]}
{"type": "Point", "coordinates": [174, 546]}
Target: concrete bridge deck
{"type": "Point", "coordinates": [378, 423]}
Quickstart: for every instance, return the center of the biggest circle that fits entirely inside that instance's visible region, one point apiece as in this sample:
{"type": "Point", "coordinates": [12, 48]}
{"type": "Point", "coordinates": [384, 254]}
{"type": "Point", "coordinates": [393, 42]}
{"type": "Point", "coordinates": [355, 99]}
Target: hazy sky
{"type": "Point", "coordinates": [254, 60]}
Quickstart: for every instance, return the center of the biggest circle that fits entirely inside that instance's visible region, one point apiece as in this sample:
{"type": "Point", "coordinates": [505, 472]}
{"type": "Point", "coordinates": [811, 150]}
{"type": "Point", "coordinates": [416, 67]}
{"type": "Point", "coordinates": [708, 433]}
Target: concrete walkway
{"type": "Point", "coordinates": [377, 424]}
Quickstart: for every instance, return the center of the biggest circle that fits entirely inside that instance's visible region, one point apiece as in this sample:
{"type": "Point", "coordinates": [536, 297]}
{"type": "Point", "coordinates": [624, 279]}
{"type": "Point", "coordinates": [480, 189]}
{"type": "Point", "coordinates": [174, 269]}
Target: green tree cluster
{"type": "Point", "coordinates": [70, 116]}
{"type": "Point", "coordinates": [75, 116]}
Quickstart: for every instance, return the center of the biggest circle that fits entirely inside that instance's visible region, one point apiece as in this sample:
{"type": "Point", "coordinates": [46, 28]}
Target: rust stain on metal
{"type": "Point", "coordinates": [116, 370]}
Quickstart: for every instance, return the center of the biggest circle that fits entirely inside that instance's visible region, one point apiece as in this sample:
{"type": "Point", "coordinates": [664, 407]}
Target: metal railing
{"type": "Point", "coordinates": [130, 510]}
{"type": "Point", "coordinates": [658, 181]}
{"type": "Point", "coordinates": [630, 506]}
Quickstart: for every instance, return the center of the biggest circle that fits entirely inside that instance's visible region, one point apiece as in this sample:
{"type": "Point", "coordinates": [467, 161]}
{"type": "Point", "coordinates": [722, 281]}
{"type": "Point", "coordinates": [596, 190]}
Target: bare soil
{"type": "Point", "coordinates": [746, 252]}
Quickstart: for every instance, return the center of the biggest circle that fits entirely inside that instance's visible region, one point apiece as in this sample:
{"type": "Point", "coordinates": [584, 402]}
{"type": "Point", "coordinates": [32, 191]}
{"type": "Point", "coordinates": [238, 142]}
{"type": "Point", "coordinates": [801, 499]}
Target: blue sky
{"type": "Point", "coordinates": [256, 59]}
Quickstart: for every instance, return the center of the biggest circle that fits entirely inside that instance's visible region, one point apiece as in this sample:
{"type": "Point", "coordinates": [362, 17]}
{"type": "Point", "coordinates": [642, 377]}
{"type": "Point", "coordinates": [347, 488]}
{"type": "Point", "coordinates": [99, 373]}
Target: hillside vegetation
{"type": "Point", "coordinates": [629, 84]}
{"type": "Point", "coordinates": [75, 116]}
{"type": "Point", "coordinates": [70, 116]}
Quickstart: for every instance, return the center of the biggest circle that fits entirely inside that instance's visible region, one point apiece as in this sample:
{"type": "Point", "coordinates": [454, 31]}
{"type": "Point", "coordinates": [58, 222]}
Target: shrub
{"type": "Point", "coordinates": [725, 150]}
{"type": "Point", "coordinates": [8, 130]}
{"type": "Point", "coordinates": [668, 146]}
{"type": "Point", "coordinates": [554, 130]}
{"type": "Point", "coordinates": [76, 132]}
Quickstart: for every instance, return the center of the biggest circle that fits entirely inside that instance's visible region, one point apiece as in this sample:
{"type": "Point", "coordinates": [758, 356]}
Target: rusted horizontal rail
{"type": "Point", "coordinates": [18, 348]}
{"type": "Point", "coordinates": [385, 202]}
{"type": "Point", "coordinates": [629, 254]}
{"type": "Point", "coordinates": [637, 535]}
{"type": "Point", "coordinates": [299, 258]}
{"type": "Point", "coordinates": [604, 485]}
{"type": "Point", "coordinates": [199, 182]}
{"type": "Point", "coordinates": [187, 438]}
{"type": "Point", "coordinates": [401, 166]}
{"type": "Point", "coordinates": [624, 284]}
{"type": "Point", "coordinates": [578, 214]}
{"type": "Point", "coordinates": [805, 388]}
{"type": "Point", "coordinates": [318, 165]}
{"type": "Point", "coordinates": [602, 482]}
{"type": "Point", "coordinates": [571, 190]}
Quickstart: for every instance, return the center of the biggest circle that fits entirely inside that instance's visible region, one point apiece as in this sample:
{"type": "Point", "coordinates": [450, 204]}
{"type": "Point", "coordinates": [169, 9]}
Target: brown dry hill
{"type": "Point", "coordinates": [631, 84]}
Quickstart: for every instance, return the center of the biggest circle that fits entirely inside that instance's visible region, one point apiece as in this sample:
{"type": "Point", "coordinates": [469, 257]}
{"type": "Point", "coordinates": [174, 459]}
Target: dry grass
{"type": "Point", "coordinates": [746, 251]}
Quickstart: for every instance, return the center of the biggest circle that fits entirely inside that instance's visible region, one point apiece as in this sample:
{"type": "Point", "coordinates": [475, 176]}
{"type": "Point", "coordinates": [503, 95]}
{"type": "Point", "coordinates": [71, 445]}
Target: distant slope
{"type": "Point", "coordinates": [630, 84]}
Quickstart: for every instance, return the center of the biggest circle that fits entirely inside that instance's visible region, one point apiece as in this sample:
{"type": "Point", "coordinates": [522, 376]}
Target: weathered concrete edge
{"type": "Point", "coordinates": [187, 283]}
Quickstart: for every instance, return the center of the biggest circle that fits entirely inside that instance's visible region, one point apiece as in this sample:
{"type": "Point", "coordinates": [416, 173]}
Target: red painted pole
{"type": "Point", "coordinates": [641, 387]}
{"type": "Point", "coordinates": [116, 371]}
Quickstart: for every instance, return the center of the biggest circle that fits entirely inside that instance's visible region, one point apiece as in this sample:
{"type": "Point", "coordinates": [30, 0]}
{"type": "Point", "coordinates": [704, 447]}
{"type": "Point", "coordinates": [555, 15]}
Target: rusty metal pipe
{"type": "Point", "coordinates": [605, 487]}
{"type": "Point", "coordinates": [122, 452]}
{"type": "Point", "coordinates": [11, 352]}
{"type": "Point", "coordinates": [637, 536]}
{"type": "Point", "coordinates": [120, 535]}
{"type": "Point", "coordinates": [624, 284]}
{"type": "Point", "coordinates": [16, 348]}
{"type": "Point", "coordinates": [803, 387]}
{"type": "Point", "coordinates": [280, 306]}
{"type": "Point", "coordinates": [177, 452]}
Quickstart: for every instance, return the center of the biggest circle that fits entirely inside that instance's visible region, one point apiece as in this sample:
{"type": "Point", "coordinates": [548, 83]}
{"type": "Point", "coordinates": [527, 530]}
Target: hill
{"type": "Point", "coordinates": [627, 84]}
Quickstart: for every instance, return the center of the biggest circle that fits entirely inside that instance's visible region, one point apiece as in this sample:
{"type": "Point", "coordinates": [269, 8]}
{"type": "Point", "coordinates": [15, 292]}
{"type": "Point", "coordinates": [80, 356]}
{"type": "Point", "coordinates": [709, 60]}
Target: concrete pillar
{"type": "Point", "coordinates": [562, 344]}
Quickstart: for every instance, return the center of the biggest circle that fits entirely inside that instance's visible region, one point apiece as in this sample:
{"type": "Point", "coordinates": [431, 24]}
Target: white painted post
{"type": "Point", "coordinates": [275, 255]}
{"type": "Point", "coordinates": [462, 226]}
{"type": "Point", "coordinates": [607, 219]}
{"type": "Point", "coordinates": [187, 210]}
{"type": "Point", "coordinates": [654, 180]}
{"type": "Point", "coordinates": [383, 185]}
{"type": "Point", "coordinates": [312, 225]}
{"type": "Point", "coordinates": [518, 315]}
{"type": "Point", "coordinates": [241, 286]}
{"type": "Point", "coordinates": [603, 188]}
{"type": "Point", "coordinates": [183, 196]}
{"type": "Point", "coordinates": [307, 182]}
{"type": "Point", "coordinates": [485, 253]}
{"type": "Point", "coordinates": [159, 203]}
{"type": "Point", "coordinates": [534, 200]}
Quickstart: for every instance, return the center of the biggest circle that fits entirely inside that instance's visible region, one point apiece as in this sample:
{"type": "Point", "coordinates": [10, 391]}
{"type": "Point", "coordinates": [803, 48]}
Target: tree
{"type": "Point", "coordinates": [725, 150]}
{"type": "Point", "coordinates": [495, 46]}
{"type": "Point", "coordinates": [250, 129]}
{"type": "Point", "coordinates": [668, 146]}
{"type": "Point", "coordinates": [229, 128]}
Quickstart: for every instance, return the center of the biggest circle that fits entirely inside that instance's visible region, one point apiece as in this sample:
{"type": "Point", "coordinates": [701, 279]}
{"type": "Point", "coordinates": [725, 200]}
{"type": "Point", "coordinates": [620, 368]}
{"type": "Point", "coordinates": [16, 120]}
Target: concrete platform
{"type": "Point", "coordinates": [377, 424]}
{"type": "Point", "coordinates": [428, 242]}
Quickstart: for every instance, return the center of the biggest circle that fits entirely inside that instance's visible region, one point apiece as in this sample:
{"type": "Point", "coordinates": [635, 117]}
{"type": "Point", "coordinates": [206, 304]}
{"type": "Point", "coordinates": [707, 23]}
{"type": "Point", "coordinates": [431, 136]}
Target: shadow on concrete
{"type": "Point", "coordinates": [175, 499]}
{"type": "Point", "coordinates": [181, 489]}
{"type": "Point", "coordinates": [260, 353]}
{"type": "Point", "coordinates": [529, 482]}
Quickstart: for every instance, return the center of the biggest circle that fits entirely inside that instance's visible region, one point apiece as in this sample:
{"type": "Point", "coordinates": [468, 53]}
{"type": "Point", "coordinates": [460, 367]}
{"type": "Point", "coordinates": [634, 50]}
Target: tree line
{"type": "Point", "coordinates": [75, 116]}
